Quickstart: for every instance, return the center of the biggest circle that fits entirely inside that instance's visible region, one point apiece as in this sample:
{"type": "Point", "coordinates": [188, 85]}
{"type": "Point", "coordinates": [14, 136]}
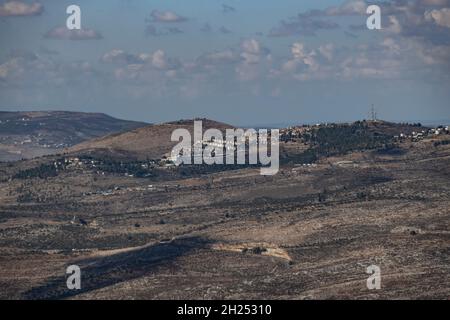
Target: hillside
{"type": "Point", "coordinates": [153, 141]}
{"type": "Point", "coordinates": [307, 144]}
{"type": "Point", "coordinates": [31, 134]}
{"type": "Point", "coordinates": [142, 152]}
{"type": "Point", "coordinates": [299, 145]}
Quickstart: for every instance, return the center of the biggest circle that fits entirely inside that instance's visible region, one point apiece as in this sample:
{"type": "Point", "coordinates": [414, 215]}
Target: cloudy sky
{"type": "Point", "coordinates": [247, 62]}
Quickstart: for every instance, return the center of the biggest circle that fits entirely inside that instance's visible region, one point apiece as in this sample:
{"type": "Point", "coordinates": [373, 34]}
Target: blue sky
{"type": "Point", "coordinates": [244, 62]}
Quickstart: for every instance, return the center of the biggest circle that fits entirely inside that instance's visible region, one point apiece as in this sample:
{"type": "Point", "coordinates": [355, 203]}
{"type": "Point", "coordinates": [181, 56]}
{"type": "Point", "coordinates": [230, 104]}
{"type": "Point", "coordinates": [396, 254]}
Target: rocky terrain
{"type": "Point", "coordinates": [308, 232]}
{"type": "Point", "coordinates": [25, 135]}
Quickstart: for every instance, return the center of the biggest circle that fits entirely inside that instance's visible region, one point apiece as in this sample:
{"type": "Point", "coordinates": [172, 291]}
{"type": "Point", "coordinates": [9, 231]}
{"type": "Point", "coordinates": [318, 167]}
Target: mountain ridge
{"type": "Point", "coordinates": [29, 134]}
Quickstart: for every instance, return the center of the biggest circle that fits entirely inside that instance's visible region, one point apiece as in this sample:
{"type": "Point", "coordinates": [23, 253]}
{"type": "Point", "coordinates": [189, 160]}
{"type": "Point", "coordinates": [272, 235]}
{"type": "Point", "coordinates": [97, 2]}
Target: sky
{"type": "Point", "coordinates": [249, 63]}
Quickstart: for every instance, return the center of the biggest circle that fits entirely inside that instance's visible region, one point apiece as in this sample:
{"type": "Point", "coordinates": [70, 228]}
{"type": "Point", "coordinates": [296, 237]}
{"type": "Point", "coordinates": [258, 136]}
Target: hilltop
{"type": "Point", "coordinates": [153, 141]}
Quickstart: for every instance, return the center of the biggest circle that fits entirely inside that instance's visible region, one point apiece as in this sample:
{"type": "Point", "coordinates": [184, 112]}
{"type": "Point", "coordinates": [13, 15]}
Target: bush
{"type": "Point", "coordinates": [43, 171]}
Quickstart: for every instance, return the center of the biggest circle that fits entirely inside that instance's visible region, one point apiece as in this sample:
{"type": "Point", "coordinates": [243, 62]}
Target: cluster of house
{"type": "Point", "coordinates": [300, 166]}
{"type": "Point", "coordinates": [419, 135]}
{"type": "Point", "coordinates": [227, 145]}
{"type": "Point", "coordinates": [217, 143]}
{"type": "Point", "coordinates": [294, 133]}
{"type": "Point", "coordinates": [300, 132]}
{"type": "Point", "coordinates": [39, 140]}
{"type": "Point", "coordinates": [70, 163]}
{"type": "Point", "coordinates": [96, 164]}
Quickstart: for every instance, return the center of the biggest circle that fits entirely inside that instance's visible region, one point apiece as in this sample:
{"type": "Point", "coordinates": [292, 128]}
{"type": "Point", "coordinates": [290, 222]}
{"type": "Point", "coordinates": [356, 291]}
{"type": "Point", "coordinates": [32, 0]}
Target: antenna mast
{"type": "Point", "coordinates": [373, 113]}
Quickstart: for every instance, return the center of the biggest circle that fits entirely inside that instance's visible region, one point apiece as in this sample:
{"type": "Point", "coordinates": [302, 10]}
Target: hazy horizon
{"type": "Point", "coordinates": [425, 122]}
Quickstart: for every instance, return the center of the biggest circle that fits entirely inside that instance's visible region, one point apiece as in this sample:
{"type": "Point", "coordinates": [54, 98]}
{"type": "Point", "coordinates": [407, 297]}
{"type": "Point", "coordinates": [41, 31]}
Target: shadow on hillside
{"type": "Point", "coordinates": [97, 273]}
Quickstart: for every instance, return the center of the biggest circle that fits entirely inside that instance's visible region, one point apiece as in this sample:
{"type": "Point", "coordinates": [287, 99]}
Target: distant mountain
{"type": "Point", "coordinates": [31, 134]}
{"type": "Point", "coordinates": [153, 141]}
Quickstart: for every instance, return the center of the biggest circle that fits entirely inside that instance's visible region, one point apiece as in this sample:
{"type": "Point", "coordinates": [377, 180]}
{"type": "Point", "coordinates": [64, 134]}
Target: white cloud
{"type": "Point", "coordinates": [166, 16]}
{"type": "Point", "coordinates": [251, 46]}
{"type": "Point", "coordinates": [440, 17]}
{"type": "Point", "coordinates": [253, 56]}
{"type": "Point", "coordinates": [115, 55]}
{"type": "Point", "coordinates": [62, 33]}
{"type": "Point", "coordinates": [391, 45]}
{"type": "Point", "coordinates": [301, 58]}
{"type": "Point", "coordinates": [394, 25]}
{"type": "Point", "coordinates": [32, 70]}
{"type": "Point", "coordinates": [327, 51]}
{"type": "Point", "coordinates": [11, 69]}
{"type": "Point", "coordinates": [349, 7]}
{"type": "Point", "coordinates": [218, 57]}
{"type": "Point", "coordinates": [19, 8]}
{"type": "Point", "coordinates": [159, 59]}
